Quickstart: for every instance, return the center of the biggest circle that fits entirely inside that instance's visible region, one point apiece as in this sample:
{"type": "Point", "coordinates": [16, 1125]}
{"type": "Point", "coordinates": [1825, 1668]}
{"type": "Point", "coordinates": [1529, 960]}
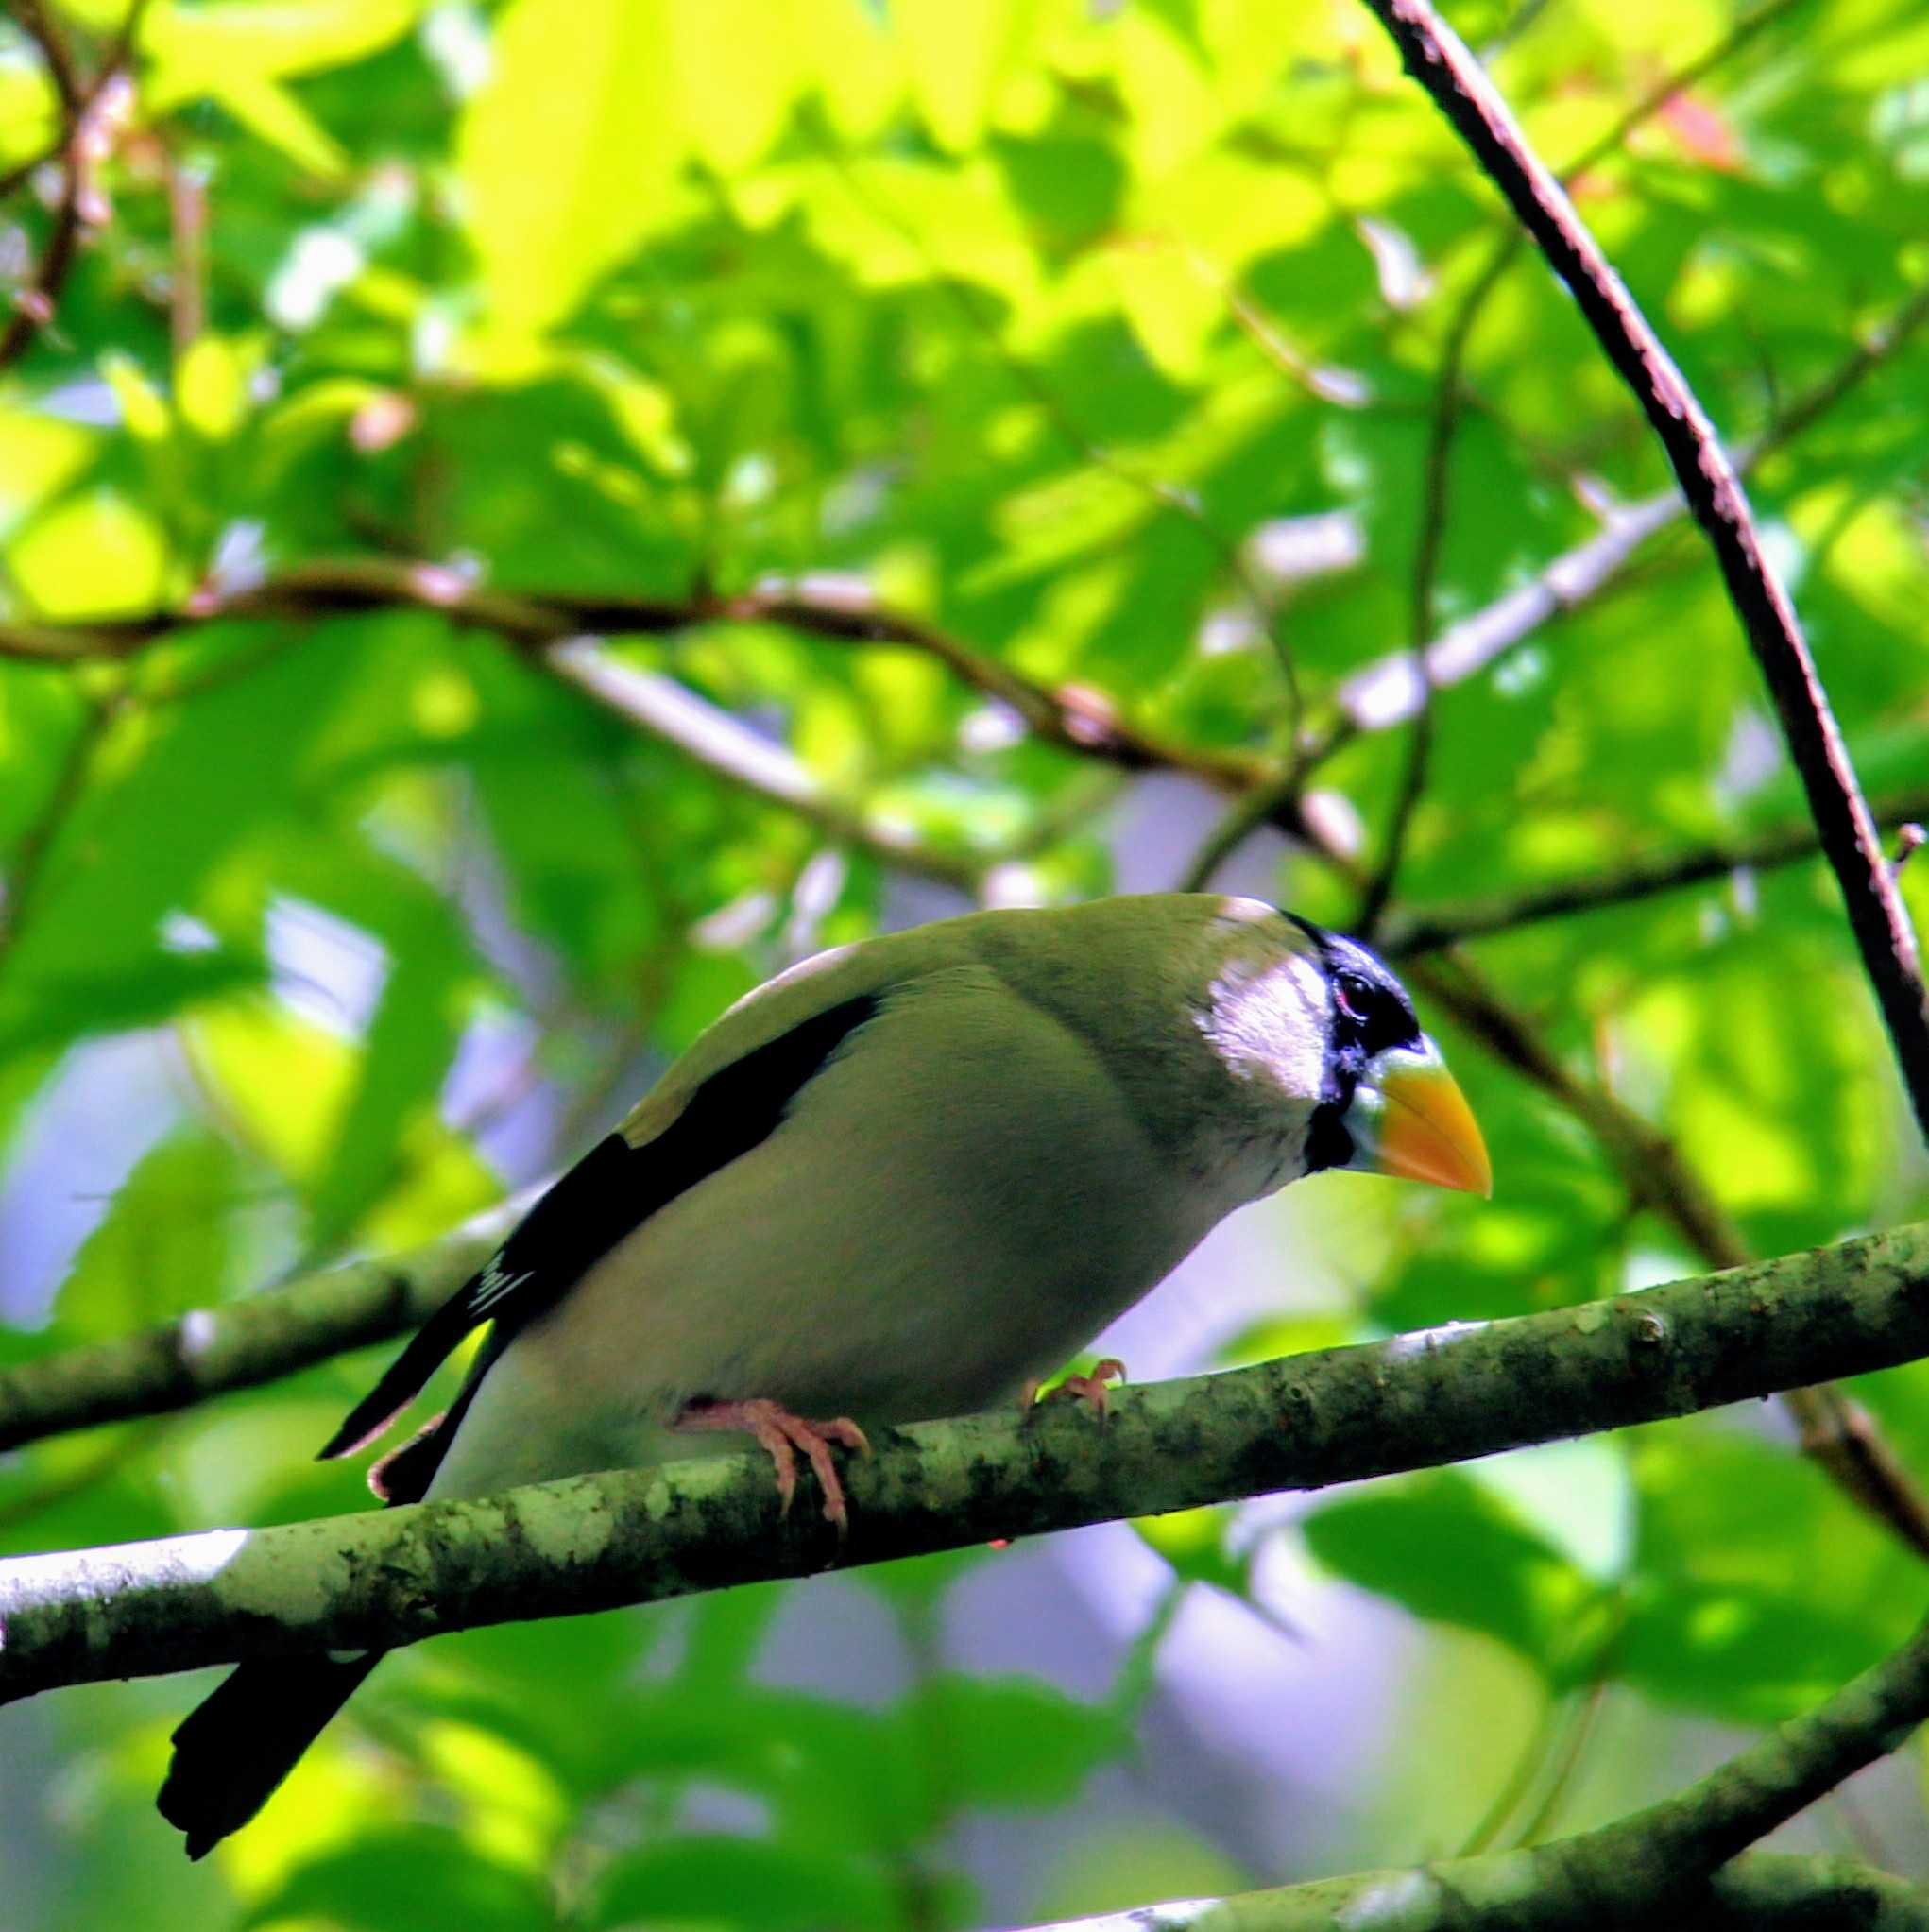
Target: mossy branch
{"type": "Point", "coordinates": [590, 1542]}
{"type": "Point", "coordinates": [239, 1345]}
{"type": "Point", "coordinates": [1514, 1891]}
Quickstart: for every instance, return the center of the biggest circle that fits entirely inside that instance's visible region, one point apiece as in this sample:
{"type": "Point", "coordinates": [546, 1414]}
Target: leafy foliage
{"type": "Point", "coordinates": [1104, 347]}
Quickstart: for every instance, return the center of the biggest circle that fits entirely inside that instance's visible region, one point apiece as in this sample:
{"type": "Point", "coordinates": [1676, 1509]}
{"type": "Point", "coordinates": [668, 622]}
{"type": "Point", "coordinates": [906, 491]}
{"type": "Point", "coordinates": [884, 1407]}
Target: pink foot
{"type": "Point", "coordinates": [1090, 1389]}
{"type": "Point", "coordinates": [780, 1435]}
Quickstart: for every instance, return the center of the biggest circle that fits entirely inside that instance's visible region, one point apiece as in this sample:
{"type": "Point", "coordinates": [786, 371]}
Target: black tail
{"type": "Point", "coordinates": [236, 1746]}
{"type": "Point", "coordinates": [233, 1749]}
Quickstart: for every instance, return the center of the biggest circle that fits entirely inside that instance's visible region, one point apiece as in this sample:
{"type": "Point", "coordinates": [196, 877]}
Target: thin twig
{"type": "Point", "coordinates": [1437, 58]}
{"type": "Point", "coordinates": [1429, 930]}
{"type": "Point", "coordinates": [1388, 692]}
{"type": "Point", "coordinates": [86, 134]}
{"type": "Point", "coordinates": [1527, 1767]}
{"type": "Point", "coordinates": [1384, 694]}
{"type": "Point", "coordinates": [733, 752]}
{"type": "Point", "coordinates": [34, 305]}
{"type": "Point", "coordinates": [1277, 803]}
{"type": "Point", "coordinates": [1472, 306]}
{"type": "Point", "coordinates": [25, 872]}
{"type": "Point", "coordinates": [187, 225]}
{"type": "Point", "coordinates": [36, 22]}
{"type": "Point", "coordinates": [1427, 543]}
{"type": "Point", "coordinates": [1071, 716]}
{"type": "Point", "coordinates": [1580, 1728]}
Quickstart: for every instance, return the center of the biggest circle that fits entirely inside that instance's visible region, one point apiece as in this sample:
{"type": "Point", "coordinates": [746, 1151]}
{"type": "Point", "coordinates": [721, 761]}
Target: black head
{"type": "Point", "coordinates": [1370, 1013]}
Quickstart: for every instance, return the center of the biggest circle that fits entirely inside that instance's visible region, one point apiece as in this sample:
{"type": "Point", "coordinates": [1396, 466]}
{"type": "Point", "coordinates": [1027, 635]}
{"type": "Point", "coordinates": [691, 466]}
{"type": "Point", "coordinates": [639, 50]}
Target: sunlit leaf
{"type": "Point", "coordinates": [768, 1888]}
{"type": "Point", "coordinates": [1450, 1550]}
{"type": "Point", "coordinates": [379, 1884]}
{"type": "Point", "coordinates": [162, 1243]}
{"type": "Point", "coordinates": [566, 157]}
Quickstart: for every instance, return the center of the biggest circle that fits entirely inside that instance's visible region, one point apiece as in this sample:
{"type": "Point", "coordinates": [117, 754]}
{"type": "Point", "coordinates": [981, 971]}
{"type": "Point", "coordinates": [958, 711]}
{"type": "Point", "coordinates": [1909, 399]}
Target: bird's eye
{"type": "Point", "coordinates": [1353, 996]}
{"type": "Point", "coordinates": [1370, 1014]}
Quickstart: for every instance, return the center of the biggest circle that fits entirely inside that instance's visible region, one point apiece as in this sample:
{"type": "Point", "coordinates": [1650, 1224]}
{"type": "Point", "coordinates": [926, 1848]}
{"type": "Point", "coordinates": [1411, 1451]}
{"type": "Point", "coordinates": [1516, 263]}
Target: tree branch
{"type": "Point", "coordinates": [24, 869]}
{"type": "Point", "coordinates": [87, 118]}
{"type": "Point", "coordinates": [209, 1351]}
{"type": "Point", "coordinates": [1525, 1891]}
{"type": "Point", "coordinates": [1429, 930]}
{"type": "Point", "coordinates": [1836, 1433]}
{"type": "Point", "coordinates": [1679, 1862]}
{"type": "Point", "coordinates": [1070, 716]}
{"type": "Point", "coordinates": [1393, 689]}
{"type": "Point", "coordinates": [1436, 57]}
{"type": "Point", "coordinates": [35, 23]}
{"type": "Point", "coordinates": [730, 750]}
{"type": "Point", "coordinates": [1388, 692]}
{"type": "Point", "coordinates": [1429, 542]}
{"type": "Point", "coordinates": [588, 1543]}
{"type": "Point", "coordinates": [1833, 1430]}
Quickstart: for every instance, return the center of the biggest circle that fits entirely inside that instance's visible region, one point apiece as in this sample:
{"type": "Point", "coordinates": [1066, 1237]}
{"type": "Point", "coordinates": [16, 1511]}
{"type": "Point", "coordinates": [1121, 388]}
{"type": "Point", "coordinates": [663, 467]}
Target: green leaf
{"type": "Point", "coordinates": [827, 1769]}
{"type": "Point", "coordinates": [711, 1879]}
{"type": "Point", "coordinates": [237, 53]}
{"type": "Point", "coordinates": [1006, 1741]}
{"type": "Point", "coordinates": [380, 1880]}
{"type": "Point", "coordinates": [1194, 1543]}
{"type": "Point", "coordinates": [737, 69]}
{"type": "Point", "coordinates": [1737, 1612]}
{"type": "Point", "coordinates": [93, 555]}
{"type": "Point", "coordinates": [183, 797]}
{"type": "Point", "coordinates": [956, 57]}
{"type": "Point", "coordinates": [163, 1244]}
{"type": "Point", "coordinates": [1452, 1551]}
{"type": "Point", "coordinates": [407, 1048]}
{"type": "Point", "coordinates": [566, 158]}
{"type": "Point", "coordinates": [209, 47]}
{"type": "Point", "coordinates": [74, 1005]}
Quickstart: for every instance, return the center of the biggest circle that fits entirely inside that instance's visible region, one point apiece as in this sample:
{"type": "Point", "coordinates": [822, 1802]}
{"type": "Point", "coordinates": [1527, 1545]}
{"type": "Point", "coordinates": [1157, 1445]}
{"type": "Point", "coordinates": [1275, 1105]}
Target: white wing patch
{"type": "Point", "coordinates": [494, 1285]}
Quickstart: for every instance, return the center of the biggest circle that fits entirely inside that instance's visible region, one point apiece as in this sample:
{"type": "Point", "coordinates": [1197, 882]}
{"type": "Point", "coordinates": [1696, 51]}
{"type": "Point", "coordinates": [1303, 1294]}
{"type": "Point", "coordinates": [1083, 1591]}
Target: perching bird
{"type": "Point", "coordinates": [902, 1180]}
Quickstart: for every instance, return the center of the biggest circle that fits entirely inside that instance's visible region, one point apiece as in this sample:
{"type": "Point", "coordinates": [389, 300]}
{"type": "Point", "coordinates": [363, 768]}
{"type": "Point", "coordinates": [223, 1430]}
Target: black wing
{"type": "Point", "coordinates": [612, 1189]}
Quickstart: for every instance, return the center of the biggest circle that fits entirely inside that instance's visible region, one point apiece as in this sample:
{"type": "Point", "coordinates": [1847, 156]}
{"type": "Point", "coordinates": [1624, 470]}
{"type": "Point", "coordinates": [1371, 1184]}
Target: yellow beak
{"type": "Point", "coordinates": [1426, 1130]}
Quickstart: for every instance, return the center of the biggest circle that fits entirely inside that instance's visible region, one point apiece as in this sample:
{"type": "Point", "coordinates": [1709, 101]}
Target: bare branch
{"type": "Point", "coordinates": [1427, 544]}
{"type": "Point", "coordinates": [1391, 690]}
{"type": "Point", "coordinates": [1426, 930]}
{"type": "Point", "coordinates": [187, 274]}
{"type": "Point", "coordinates": [1387, 691]}
{"type": "Point", "coordinates": [1436, 57]}
{"type": "Point", "coordinates": [1072, 716]}
{"type": "Point", "coordinates": [25, 868]}
{"type": "Point", "coordinates": [40, 27]}
{"type": "Point", "coordinates": [87, 124]}
{"type": "Point", "coordinates": [733, 752]}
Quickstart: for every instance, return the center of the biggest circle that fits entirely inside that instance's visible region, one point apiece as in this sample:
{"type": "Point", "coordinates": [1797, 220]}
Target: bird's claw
{"type": "Point", "coordinates": [1090, 1389]}
{"type": "Point", "coordinates": [780, 1435]}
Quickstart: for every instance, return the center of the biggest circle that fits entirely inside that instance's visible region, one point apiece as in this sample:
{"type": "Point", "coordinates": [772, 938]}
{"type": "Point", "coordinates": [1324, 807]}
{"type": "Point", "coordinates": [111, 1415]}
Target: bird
{"type": "Point", "coordinates": [904, 1179]}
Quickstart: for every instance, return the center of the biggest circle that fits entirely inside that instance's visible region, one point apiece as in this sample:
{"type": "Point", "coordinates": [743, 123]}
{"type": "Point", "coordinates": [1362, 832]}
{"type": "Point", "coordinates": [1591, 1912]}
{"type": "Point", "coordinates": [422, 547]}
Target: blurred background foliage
{"type": "Point", "coordinates": [1158, 364]}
